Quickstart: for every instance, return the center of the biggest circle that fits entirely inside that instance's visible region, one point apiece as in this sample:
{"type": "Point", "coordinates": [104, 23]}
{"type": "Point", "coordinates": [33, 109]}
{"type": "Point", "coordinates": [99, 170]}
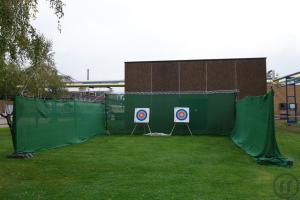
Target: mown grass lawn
{"type": "Point", "coordinates": [140, 167]}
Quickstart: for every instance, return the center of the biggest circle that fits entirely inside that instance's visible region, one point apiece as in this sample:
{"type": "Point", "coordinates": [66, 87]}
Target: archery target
{"type": "Point", "coordinates": [182, 114]}
{"type": "Point", "coordinates": [141, 115]}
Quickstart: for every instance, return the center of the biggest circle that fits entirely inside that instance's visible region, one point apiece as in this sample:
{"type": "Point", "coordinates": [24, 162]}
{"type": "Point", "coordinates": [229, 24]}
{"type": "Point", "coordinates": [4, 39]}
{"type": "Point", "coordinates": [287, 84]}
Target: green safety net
{"type": "Point", "coordinates": [210, 113]}
{"type": "Point", "coordinates": [45, 124]}
{"type": "Point", "coordinates": [254, 129]}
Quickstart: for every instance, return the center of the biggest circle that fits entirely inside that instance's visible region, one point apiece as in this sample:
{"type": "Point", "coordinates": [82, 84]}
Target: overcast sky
{"type": "Point", "coordinates": [102, 35]}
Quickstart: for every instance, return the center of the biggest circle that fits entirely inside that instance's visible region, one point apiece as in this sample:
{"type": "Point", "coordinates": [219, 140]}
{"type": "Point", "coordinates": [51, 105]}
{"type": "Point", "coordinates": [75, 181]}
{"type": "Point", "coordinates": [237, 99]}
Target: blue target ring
{"type": "Point", "coordinates": [141, 115]}
{"type": "Point", "coordinates": [181, 114]}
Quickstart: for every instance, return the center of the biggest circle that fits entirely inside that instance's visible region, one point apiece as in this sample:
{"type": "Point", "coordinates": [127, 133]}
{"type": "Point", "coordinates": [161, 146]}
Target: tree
{"type": "Point", "coordinates": [16, 31]}
{"type": "Point", "coordinates": [42, 78]}
{"type": "Point", "coordinates": [11, 77]}
{"type": "Point", "coordinates": [21, 46]}
{"type": "Point", "coordinates": [26, 57]}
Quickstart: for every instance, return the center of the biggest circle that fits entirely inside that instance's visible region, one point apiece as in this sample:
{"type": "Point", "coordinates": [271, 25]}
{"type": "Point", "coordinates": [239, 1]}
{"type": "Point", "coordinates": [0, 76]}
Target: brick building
{"type": "Point", "coordinates": [247, 75]}
{"type": "Point", "coordinates": [280, 100]}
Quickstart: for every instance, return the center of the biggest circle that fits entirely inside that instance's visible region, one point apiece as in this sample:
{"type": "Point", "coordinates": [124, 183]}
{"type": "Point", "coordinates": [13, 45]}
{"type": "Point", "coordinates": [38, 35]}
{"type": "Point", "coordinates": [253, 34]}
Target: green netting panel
{"type": "Point", "coordinates": [45, 124]}
{"type": "Point", "coordinates": [210, 113]}
{"type": "Point", "coordinates": [254, 129]}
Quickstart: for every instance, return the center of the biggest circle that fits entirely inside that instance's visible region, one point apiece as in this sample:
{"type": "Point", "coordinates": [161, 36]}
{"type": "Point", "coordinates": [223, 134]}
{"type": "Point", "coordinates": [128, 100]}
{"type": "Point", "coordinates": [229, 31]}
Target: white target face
{"type": "Point", "coordinates": [141, 115]}
{"type": "Point", "coordinates": [182, 114]}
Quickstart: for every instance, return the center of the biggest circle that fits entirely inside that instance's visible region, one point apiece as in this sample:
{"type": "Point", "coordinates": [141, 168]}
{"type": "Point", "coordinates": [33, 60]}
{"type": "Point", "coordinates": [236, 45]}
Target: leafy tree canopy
{"type": "Point", "coordinates": [26, 56]}
{"type": "Point", "coordinates": [16, 30]}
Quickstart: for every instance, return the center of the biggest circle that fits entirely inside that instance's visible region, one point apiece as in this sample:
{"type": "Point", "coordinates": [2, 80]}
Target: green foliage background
{"type": "Point", "coordinates": [26, 58]}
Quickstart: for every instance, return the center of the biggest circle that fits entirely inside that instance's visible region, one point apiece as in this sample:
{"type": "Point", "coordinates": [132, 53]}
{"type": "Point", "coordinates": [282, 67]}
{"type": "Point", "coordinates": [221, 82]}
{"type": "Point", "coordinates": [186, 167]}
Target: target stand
{"type": "Point", "coordinates": [181, 116]}
{"type": "Point", "coordinates": [141, 117]}
{"type": "Point", "coordinates": [136, 124]}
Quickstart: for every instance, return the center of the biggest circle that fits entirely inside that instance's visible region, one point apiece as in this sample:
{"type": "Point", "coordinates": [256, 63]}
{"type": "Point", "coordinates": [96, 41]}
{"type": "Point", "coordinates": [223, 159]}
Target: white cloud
{"type": "Point", "coordinates": [101, 35]}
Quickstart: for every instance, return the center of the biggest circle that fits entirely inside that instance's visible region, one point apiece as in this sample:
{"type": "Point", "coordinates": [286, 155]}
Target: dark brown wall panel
{"type": "Point", "coordinates": [220, 75]}
{"type": "Point", "coordinates": [247, 75]}
{"type": "Point", "coordinates": [165, 77]}
{"type": "Point", "coordinates": [251, 77]}
{"type": "Point", "coordinates": [138, 77]}
{"type": "Point", "coordinates": [192, 76]}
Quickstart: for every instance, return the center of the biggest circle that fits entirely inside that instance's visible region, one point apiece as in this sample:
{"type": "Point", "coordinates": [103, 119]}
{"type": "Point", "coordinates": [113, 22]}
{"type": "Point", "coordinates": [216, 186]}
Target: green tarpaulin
{"type": "Point", "coordinates": [254, 129]}
{"type": "Point", "coordinates": [45, 124]}
{"type": "Point", "coordinates": [210, 113]}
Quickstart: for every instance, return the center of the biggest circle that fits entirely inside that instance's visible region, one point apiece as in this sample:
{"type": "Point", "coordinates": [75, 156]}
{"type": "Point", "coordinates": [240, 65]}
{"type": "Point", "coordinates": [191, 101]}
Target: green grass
{"type": "Point", "coordinates": [123, 167]}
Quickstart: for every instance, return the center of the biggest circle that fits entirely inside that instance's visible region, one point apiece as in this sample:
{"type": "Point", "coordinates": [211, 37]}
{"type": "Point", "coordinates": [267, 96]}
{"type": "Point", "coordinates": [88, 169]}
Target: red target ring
{"type": "Point", "coordinates": [141, 115]}
{"type": "Point", "coordinates": [181, 114]}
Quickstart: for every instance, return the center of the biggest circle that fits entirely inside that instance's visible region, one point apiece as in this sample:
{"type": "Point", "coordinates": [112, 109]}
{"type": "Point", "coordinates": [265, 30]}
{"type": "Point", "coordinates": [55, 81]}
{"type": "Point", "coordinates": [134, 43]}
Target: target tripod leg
{"type": "Point", "coordinates": [172, 129]}
{"type": "Point", "coordinates": [133, 130]}
{"type": "Point", "coordinates": [189, 129]}
{"type": "Point", "coordinates": [149, 128]}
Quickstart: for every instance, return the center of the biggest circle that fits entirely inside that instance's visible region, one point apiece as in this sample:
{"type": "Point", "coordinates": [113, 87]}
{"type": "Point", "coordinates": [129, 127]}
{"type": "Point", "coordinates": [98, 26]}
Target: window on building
{"type": "Point", "coordinates": [282, 106]}
{"type": "Point", "coordinates": [293, 106]}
